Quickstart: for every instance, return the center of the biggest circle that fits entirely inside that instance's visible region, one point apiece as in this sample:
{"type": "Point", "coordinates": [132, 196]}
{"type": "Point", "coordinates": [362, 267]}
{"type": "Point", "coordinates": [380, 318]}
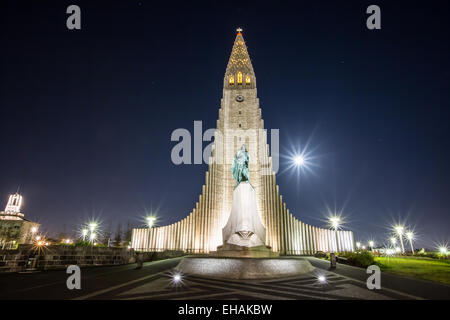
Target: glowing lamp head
{"type": "Point", "coordinates": [393, 240]}
{"type": "Point", "coordinates": [92, 226]}
{"type": "Point", "coordinates": [335, 222]}
{"type": "Point", "coordinates": [399, 230]}
{"type": "Point", "coordinates": [150, 221]}
{"type": "Point", "coordinates": [371, 244]}
{"type": "Point", "coordinates": [299, 161]}
{"type": "Point", "coordinates": [358, 245]}
{"type": "Point", "coordinates": [93, 236]}
{"type": "Point", "coordinates": [33, 229]}
{"type": "Point", "coordinates": [409, 235]}
{"type": "Point", "coordinates": [176, 278]}
{"type": "Point", "coordinates": [364, 247]}
{"type": "Point", "coordinates": [443, 250]}
{"type": "Point", "coordinates": [322, 279]}
{"type": "Point", "coordinates": [84, 232]}
{"type": "Point", "coordinates": [40, 243]}
{"type": "Point", "coordinates": [38, 238]}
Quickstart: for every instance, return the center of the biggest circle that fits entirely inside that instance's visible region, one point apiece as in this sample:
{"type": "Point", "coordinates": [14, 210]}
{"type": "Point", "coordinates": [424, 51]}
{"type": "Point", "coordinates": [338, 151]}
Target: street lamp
{"type": "Point", "coordinates": [393, 241]}
{"type": "Point", "coordinates": [150, 221]}
{"type": "Point", "coordinates": [399, 230]}
{"type": "Point", "coordinates": [299, 161]}
{"type": "Point", "coordinates": [371, 244]}
{"type": "Point", "coordinates": [92, 237]}
{"type": "Point", "coordinates": [84, 233]}
{"type": "Point", "coordinates": [358, 245]}
{"type": "Point", "coordinates": [92, 226]}
{"type": "Point", "coordinates": [443, 250]}
{"type": "Point", "coordinates": [410, 236]}
{"type": "Point", "coordinates": [335, 224]}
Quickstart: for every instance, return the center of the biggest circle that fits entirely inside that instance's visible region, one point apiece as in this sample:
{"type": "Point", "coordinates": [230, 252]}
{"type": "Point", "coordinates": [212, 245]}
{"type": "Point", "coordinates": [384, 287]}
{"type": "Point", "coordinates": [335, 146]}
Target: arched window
{"type": "Point", "coordinates": [231, 81]}
{"type": "Point", "coordinates": [247, 79]}
{"type": "Point", "coordinates": [239, 78]}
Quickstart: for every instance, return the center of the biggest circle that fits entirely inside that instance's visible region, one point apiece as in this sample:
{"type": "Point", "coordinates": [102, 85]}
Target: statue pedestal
{"type": "Point", "coordinates": [244, 268]}
{"type": "Point", "coordinates": [235, 251]}
{"type": "Point", "coordinates": [244, 227]}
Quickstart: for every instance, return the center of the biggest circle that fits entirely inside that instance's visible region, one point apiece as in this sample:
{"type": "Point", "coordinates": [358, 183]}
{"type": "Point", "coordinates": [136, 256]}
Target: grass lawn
{"type": "Point", "coordinates": [422, 268]}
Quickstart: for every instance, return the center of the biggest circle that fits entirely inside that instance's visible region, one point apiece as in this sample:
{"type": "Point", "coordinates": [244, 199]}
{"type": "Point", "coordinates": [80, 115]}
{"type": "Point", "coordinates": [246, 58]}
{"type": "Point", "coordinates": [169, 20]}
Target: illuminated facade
{"type": "Point", "coordinates": [14, 228]}
{"type": "Point", "coordinates": [13, 207]}
{"type": "Point", "coordinates": [240, 121]}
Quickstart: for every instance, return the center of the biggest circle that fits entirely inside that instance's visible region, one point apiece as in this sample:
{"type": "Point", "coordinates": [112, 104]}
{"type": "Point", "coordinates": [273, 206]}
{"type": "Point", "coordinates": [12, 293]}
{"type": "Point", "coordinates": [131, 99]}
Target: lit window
{"type": "Point", "coordinates": [247, 79]}
{"type": "Point", "coordinates": [239, 78]}
{"type": "Point", "coordinates": [231, 81]}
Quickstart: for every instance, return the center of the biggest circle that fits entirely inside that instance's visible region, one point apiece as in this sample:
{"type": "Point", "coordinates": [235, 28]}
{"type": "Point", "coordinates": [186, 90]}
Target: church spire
{"type": "Point", "coordinates": [239, 73]}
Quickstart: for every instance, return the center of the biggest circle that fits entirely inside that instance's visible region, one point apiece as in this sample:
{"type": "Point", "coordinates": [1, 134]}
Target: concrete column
{"type": "Point", "coordinates": [303, 238]}
{"type": "Point", "coordinates": [297, 238]}
{"type": "Point", "coordinates": [196, 226]}
{"type": "Point", "coordinates": [293, 234]}
{"type": "Point", "coordinates": [274, 214]}
{"type": "Point", "coordinates": [300, 239]}
{"type": "Point", "coordinates": [286, 230]}
{"type": "Point", "coordinates": [314, 239]}
{"type": "Point", "coordinates": [270, 213]}
{"type": "Point", "coordinates": [307, 243]}
{"type": "Point", "coordinates": [201, 212]}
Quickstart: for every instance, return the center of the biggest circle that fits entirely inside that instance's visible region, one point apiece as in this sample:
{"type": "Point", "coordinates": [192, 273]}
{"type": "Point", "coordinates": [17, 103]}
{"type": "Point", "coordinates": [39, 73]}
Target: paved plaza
{"type": "Point", "coordinates": [156, 281]}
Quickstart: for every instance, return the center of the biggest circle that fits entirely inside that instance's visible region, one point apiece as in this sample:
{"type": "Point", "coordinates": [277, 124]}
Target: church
{"type": "Point", "coordinates": [240, 122]}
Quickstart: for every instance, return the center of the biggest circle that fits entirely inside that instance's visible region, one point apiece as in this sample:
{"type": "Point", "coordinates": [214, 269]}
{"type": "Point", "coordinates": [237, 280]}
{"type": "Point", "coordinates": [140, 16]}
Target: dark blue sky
{"type": "Point", "coordinates": [86, 116]}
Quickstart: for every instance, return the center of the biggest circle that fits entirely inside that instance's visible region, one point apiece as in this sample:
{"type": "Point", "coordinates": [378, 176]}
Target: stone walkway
{"type": "Point", "coordinates": [303, 287]}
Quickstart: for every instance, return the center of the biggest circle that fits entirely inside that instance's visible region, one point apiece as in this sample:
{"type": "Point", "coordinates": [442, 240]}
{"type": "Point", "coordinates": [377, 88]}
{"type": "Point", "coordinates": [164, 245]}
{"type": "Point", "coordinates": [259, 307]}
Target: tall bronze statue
{"type": "Point", "coordinates": [239, 169]}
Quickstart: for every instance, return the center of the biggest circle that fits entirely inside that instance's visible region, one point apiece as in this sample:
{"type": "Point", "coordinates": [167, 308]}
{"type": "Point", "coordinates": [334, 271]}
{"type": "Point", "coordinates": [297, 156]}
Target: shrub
{"type": "Point", "coordinates": [320, 254]}
{"type": "Point", "coordinates": [359, 259]}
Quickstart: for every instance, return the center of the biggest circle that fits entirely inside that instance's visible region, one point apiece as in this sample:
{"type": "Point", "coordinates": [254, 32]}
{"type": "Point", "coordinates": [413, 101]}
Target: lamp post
{"type": "Point", "coordinates": [335, 224]}
{"type": "Point", "coordinates": [358, 245]}
{"type": "Point", "coordinates": [92, 226]}
{"type": "Point", "coordinates": [92, 237]}
{"type": "Point", "coordinates": [371, 244]}
{"type": "Point", "coordinates": [150, 222]}
{"type": "Point", "coordinates": [399, 230]}
{"type": "Point", "coordinates": [393, 241]}
{"type": "Point", "coordinates": [84, 233]}
{"type": "Point", "coordinates": [33, 232]}
{"type": "Point", "coordinates": [410, 236]}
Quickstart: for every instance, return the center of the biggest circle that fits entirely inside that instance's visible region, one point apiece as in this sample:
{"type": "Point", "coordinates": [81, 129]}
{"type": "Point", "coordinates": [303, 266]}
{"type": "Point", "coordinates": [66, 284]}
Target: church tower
{"type": "Point", "coordinates": [13, 207]}
{"type": "Point", "coordinates": [240, 122]}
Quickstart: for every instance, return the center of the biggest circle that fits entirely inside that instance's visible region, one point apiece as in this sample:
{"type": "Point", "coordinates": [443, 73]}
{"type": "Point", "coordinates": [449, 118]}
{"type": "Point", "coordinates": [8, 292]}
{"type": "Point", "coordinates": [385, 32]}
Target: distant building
{"type": "Point", "coordinates": [14, 228]}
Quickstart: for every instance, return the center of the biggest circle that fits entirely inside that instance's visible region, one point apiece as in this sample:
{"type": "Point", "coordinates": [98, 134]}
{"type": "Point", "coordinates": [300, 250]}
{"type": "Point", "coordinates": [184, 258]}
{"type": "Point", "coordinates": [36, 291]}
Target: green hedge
{"type": "Point", "coordinates": [359, 259]}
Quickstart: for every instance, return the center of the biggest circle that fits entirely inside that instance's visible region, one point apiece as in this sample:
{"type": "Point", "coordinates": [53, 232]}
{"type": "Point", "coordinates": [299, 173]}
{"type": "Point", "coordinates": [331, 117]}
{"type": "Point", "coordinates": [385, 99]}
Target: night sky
{"type": "Point", "coordinates": [86, 116]}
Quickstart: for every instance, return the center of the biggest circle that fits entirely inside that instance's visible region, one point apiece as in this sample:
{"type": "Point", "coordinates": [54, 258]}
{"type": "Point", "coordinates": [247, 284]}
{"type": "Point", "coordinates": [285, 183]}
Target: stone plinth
{"type": "Point", "coordinates": [244, 226]}
{"type": "Point", "coordinates": [244, 268]}
{"type": "Point", "coordinates": [234, 251]}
